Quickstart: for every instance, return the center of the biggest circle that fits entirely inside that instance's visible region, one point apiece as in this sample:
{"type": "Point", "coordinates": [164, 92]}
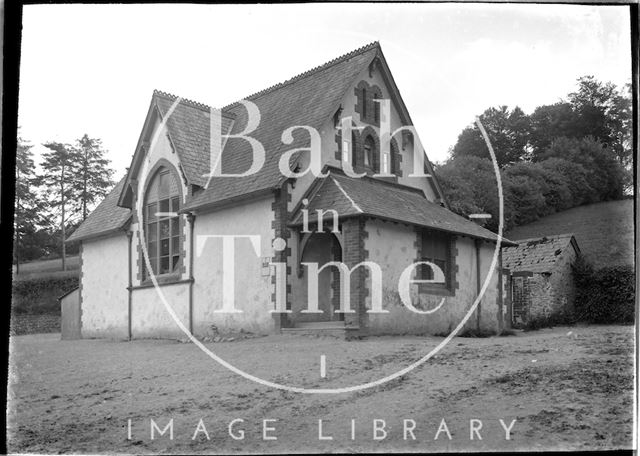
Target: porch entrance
{"type": "Point", "coordinates": [322, 248]}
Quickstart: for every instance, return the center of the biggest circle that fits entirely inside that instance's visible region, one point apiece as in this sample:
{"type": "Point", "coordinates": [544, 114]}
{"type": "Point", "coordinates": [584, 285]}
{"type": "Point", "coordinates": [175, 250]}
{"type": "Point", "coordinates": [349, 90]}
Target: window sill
{"type": "Point", "coordinates": [429, 289]}
{"type": "Point", "coordinates": [173, 279]}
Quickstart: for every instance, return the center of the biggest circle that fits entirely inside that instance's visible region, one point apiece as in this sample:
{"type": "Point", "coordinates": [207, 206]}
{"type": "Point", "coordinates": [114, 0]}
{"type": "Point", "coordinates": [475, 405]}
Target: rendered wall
{"type": "Point", "coordinates": [104, 287]}
{"type": "Point", "coordinates": [149, 315]}
{"type": "Point", "coordinates": [253, 283]}
{"type": "Point", "coordinates": [391, 245]}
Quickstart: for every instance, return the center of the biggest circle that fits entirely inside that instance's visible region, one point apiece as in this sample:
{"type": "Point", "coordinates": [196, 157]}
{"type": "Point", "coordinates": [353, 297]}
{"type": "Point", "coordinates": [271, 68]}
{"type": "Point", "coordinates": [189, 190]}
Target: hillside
{"type": "Point", "coordinates": [47, 269]}
{"type": "Point", "coordinates": [604, 231]}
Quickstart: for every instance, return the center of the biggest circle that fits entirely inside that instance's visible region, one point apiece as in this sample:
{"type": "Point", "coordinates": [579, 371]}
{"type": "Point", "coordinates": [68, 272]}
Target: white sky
{"type": "Point", "coordinates": [92, 68]}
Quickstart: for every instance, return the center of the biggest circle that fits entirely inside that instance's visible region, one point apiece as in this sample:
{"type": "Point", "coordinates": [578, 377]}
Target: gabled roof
{"type": "Point", "coordinates": [384, 200]}
{"type": "Point", "coordinates": [307, 99]}
{"type": "Point", "coordinates": [107, 218]}
{"type": "Point", "coordinates": [537, 255]}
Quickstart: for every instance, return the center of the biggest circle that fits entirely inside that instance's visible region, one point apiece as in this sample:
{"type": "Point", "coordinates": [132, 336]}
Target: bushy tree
{"type": "Point", "coordinates": [508, 132]}
{"type": "Point", "coordinates": [605, 175]}
{"type": "Point", "coordinates": [470, 185]}
{"type": "Point", "coordinates": [574, 176]}
{"type": "Point", "coordinates": [604, 112]}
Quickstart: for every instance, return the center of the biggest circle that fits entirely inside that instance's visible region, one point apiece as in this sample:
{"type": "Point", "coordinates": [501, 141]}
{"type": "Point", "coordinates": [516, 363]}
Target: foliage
{"type": "Point", "coordinates": [40, 296]}
{"type": "Point", "coordinates": [94, 177]}
{"type": "Point", "coordinates": [605, 295]}
{"type": "Point", "coordinates": [603, 111]}
{"type": "Point", "coordinates": [28, 207]}
{"type": "Point", "coordinates": [51, 205]}
{"type": "Point", "coordinates": [605, 175]}
{"type": "Point", "coordinates": [470, 186]}
{"type": "Point", "coordinates": [562, 155]}
{"type": "Point", "coordinates": [508, 132]}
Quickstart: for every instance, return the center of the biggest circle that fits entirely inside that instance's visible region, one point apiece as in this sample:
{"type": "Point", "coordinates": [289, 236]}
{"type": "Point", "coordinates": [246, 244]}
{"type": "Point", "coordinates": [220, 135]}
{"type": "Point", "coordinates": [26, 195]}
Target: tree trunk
{"type": "Point", "coordinates": [84, 186]}
{"type": "Point", "coordinates": [64, 252]}
{"type": "Point", "coordinates": [16, 251]}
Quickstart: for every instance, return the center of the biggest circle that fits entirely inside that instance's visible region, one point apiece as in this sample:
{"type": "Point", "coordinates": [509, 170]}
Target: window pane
{"type": "Point", "coordinates": [152, 232]}
{"type": "Point", "coordinates": [154, 265]}
{"type": "Point", "coordinates": [163, 185]}
{"type": "Point", "coordinates": [176, 261]}
{"type": "Point", "coordinates": [164, 206]}
{"type": "Point", "coordinates": [152, 249]}
{"type": "Point", "coordinates": [164, 265]}
{"type": "Point", "coordinates": [427, 272]}
{"type": "Point", "coordinates": [164, 247]}
{"type": "Point", "coordinates": [443, 266]}
{"type": "Point", "coordinates": [175, 226]}
{"type": "Point", "coordinates": [175, 245]}
{"type": "Point", "coordinates": [164, 229]}
{"type": "Point", "coordinates": [151, 212]}
{"type": "Point", "coordinates": [434, 245]}
{"type": "Point", "coordinates": [175, 204]}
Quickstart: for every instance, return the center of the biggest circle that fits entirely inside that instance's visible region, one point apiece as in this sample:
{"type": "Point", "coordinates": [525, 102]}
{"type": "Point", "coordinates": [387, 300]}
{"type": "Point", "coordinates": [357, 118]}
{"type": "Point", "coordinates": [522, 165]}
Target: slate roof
{"type": "Point", "coordinates": [389, 201]}
{"type": "Point", "coordinates": [537, 255]}
{"type": "Point", "coordinates": [105, 218]}
{"type": "Point", "coordinates": [189, 127]}
{"type": "Point", "coordinates": [307, 99]}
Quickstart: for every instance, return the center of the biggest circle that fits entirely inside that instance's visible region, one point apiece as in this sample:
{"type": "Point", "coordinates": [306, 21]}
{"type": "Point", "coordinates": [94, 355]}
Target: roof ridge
{"type": "Point", "coordinates": [192, 103]}
{"type": "Point", "coordinates": [304, 74]}
{"type": "Point", "coordinates": [398, 185]}
{"type": "Point", "coordinates": [547, 236]}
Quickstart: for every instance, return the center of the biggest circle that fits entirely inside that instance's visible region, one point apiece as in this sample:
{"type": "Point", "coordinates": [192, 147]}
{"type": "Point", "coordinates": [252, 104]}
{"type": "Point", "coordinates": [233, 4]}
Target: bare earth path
{"type": "Point", "coordinates": [567, 388]}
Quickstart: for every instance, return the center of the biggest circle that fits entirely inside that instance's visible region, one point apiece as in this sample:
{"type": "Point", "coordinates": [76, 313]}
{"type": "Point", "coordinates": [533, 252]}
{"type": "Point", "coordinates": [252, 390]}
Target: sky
{"type": "Point", "coordinates": [93, 68]}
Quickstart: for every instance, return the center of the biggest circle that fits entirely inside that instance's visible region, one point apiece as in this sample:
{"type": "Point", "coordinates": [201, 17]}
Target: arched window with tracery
{"type": "Point", "coordinates": [163, 231]}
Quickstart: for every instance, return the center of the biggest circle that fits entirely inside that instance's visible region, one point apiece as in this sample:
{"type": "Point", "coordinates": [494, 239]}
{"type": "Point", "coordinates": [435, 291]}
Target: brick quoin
{"type": "Point", "coordinates": [354, 235]}
{"type": "Point", "coordinates": [280, 229]}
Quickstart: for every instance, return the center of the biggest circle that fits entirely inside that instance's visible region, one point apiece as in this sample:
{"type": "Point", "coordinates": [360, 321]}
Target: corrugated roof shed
{"type": "Point", "coordinates": [537, 255]}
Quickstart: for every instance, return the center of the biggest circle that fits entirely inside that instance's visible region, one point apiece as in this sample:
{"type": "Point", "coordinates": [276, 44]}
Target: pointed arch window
{"type": "Point", "coordinates": [163, 230]}
{"type": "Point", "coordinates": [369, 149]}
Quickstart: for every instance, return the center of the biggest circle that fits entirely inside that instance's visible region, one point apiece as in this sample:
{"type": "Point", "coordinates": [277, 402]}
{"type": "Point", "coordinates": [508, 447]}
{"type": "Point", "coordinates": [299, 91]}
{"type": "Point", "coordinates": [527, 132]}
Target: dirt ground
{"type": "Point", "coordinates": [568, 388]}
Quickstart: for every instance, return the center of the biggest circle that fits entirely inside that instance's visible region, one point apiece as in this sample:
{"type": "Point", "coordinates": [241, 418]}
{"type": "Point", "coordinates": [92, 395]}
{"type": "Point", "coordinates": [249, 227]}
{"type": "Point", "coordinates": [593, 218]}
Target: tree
{"type": "Point", "coordinates": [604, 174]}
{"type": "Point", "coordinates": [508, 132]}
{"type": "Point", "coordinates": [27, 205]}
{"type": "Point", "coordinates": [605, 114]}
{"type": "Point", "coordinates": [59, 171]}
{"type": "Point", "coordinates": [550, 122]}
{"type": "Point", "coordinates": [93, 177]}
{"type": "Point", "coordinates": [575, 177]}
{"type": "Point", "coordinates": [470, 186]}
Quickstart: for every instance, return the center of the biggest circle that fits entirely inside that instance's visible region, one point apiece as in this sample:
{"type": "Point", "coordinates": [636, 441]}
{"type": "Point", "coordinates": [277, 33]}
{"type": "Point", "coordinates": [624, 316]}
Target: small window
{"type": "Point", "coordinates": [364, 103]}
{"type": "Point", "coordinates": [436, 249]}
{"type": "Point", "coordinates": [376, 110]}
{"type": "Point", "coordinates": [369, 148]}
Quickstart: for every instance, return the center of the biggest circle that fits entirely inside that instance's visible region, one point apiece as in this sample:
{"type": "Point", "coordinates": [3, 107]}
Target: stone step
{"type": "Point", "coordinates": [322, 328]}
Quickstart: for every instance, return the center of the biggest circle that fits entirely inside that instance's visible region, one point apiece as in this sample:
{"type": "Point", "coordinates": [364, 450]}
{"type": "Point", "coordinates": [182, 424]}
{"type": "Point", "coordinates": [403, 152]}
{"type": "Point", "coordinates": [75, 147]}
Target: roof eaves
{"type": "Point", "coordinates": [211, 206]}
{"type": "Point", "coordinates": [100, 234]}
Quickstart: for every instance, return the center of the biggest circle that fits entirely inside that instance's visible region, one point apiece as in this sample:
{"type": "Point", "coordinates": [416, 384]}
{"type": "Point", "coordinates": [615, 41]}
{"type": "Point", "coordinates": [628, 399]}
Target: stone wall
{"type": "Point", "coordinates": [34, 324]}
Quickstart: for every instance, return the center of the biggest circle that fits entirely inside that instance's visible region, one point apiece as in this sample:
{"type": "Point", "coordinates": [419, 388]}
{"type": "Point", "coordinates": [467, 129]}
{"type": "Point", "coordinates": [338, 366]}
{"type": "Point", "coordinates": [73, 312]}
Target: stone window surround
{"type": "Point", "coordinates": [174, 276]}
{"type": "Point", "coordinates": [451, 269]}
